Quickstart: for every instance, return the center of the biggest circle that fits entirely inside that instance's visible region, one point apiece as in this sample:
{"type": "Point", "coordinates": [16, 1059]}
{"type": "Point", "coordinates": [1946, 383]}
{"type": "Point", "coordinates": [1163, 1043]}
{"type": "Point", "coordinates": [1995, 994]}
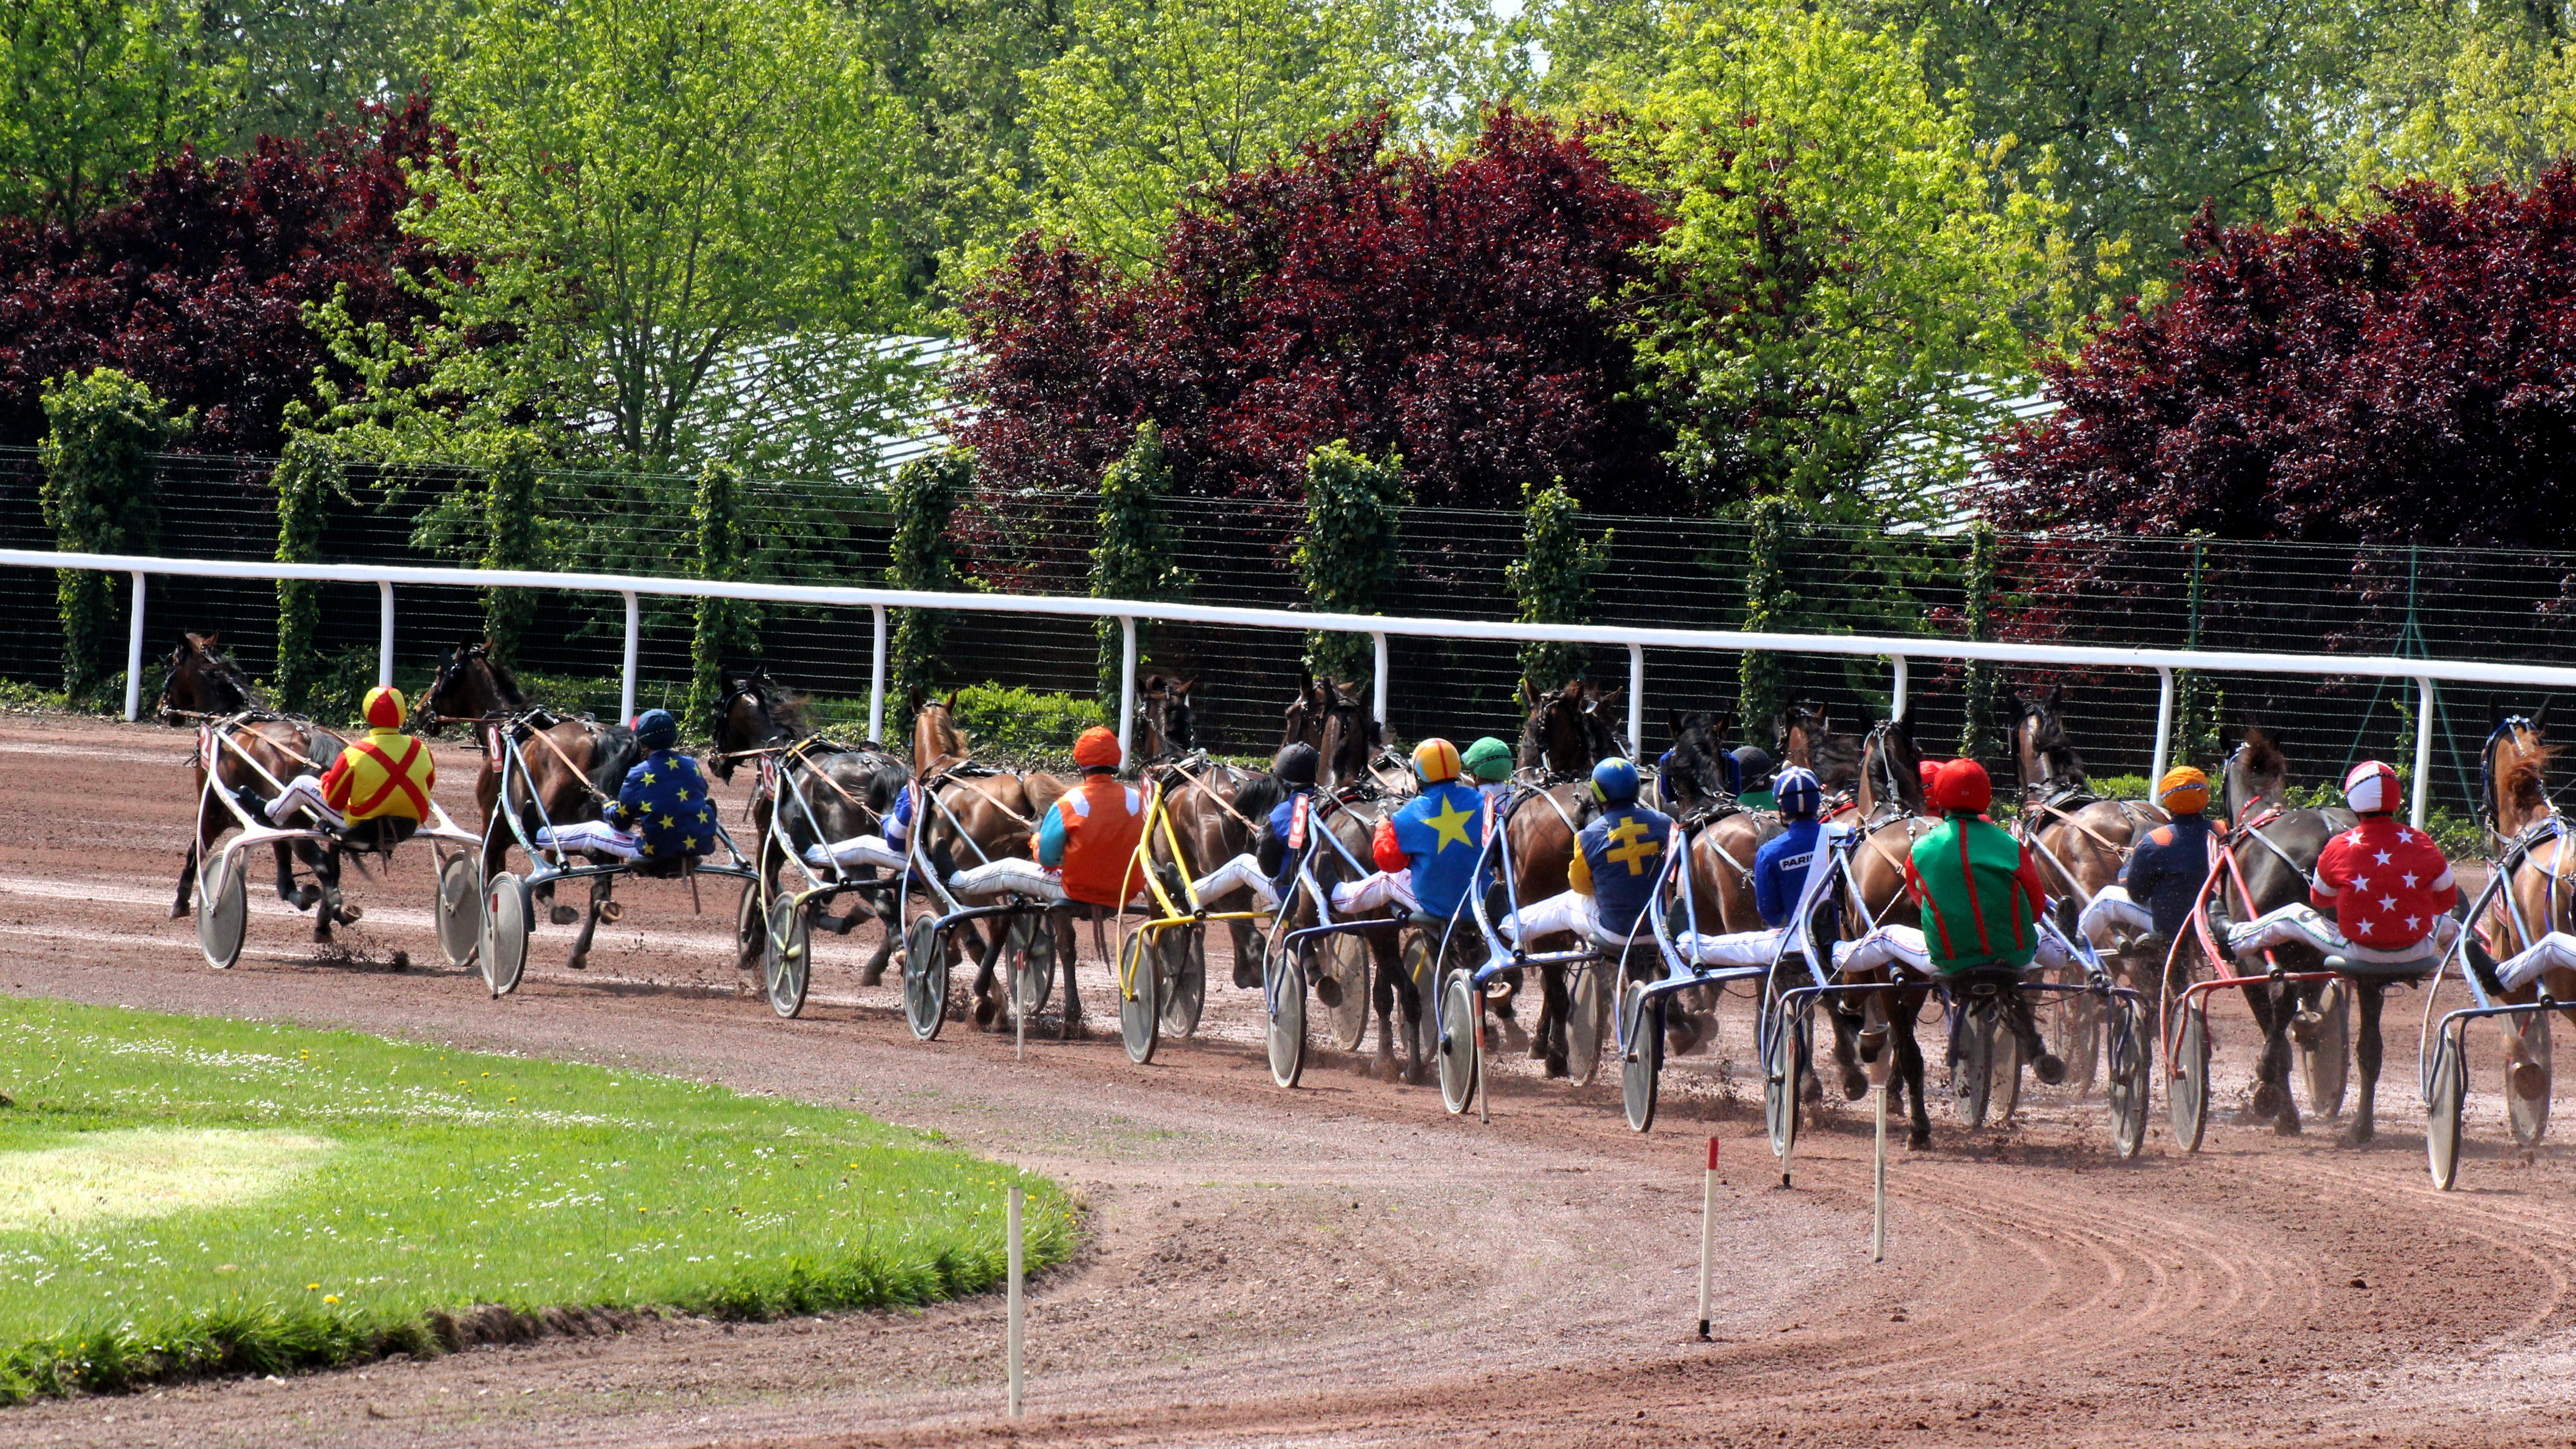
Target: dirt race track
{"type": "Point", "coordinates": [1344, 1264]}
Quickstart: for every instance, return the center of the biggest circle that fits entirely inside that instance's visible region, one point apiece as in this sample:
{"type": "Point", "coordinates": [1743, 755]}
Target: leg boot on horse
{"type": "Point", "coordinates": [2367, 1053]}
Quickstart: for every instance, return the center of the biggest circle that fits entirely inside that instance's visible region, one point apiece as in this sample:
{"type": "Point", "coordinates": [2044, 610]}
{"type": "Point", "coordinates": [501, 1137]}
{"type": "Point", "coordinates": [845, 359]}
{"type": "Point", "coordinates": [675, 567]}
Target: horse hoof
{"type": "Point", "coordinates": [1247, 974]}
{"type": "Point", "coordinates": [2287, 1124]}
{"type": "Point", "coordinates": [871, 975]}
{"type": "Point", "coordinates": [2360, 1133]}
{"type": "Point", "coordinates": [1072, 1029]}
{"type": "Point", "coordinates": [987, 1010]}
{"type": "Point", "coordinates": [563, 915]}
{"type": "Point", "coordinates": [577, 963]}
{"type": "Point", "coordinates": [1328, 991]}
{"type": "Point", "coordinates": [1555, 1068]}
{"type": "Point", "coordinates": [2530, 1081]}
{"type": "Point", "coordinates": [2269, 1099]}
{"type": "Point", "coordinates": [2304, 1028]}
{"type": "Point", "coordinates": [349, 914]}
{"type": "Point", "coordinates": [304, 897]}
{"type": "Point", "coordinates": [1918, 1140]}
{"type": "Point", "coordinates": [610, 913]}
{"type": "Point", "coordinates": [2051, 1069]}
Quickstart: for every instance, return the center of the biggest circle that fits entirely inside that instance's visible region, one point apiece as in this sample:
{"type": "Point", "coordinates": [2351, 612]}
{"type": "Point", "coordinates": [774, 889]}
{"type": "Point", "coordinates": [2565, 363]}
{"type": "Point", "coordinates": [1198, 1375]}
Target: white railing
{"type": "Point", "coordinates": [1897, 650]}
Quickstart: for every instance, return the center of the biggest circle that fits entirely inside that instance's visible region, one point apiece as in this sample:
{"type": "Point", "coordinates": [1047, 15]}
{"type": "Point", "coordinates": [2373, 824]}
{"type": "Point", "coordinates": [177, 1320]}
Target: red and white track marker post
{"type": "Point", "coordinates": [1707, 1235]}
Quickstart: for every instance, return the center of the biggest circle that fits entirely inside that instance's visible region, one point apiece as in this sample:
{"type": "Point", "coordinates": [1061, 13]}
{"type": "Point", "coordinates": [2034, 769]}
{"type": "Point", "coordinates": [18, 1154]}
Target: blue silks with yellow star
{"type": "Point", "coordinates": [1442, 830]}
{"type": "Point", "coordinates": [664, 804]}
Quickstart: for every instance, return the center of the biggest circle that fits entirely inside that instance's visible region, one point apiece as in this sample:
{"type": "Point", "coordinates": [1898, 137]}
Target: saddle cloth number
{"type": "Point", "coordinates": [769, 773]}
{"type": "Point", "coordinates": [497, 747]}
{"type": "Point", "coordinates": [1297, 825]}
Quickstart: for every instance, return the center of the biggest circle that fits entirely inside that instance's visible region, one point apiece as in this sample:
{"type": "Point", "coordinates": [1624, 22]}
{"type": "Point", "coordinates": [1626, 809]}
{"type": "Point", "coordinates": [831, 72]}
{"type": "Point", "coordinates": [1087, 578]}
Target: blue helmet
{"type": "Point", "coordinates": [655, 729]}
{"type": "Point", "coordinates": [1614, 782]}
{"type": "Point", "coordinates": [1797, 792]}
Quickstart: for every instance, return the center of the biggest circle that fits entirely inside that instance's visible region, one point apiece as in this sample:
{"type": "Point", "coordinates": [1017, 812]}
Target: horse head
{"type": "Point", "coordinates": [2258, 774]}
{"type": "Point", "coordinates": [1350, 735]}
{"type": "Point", "coordinates": [2513, 773]}
{"type": "Point", "coordinates": [1163, 714]}
{"type": "Point", "coordinates": [1806, 738]}
{"type": "Point", "coordinates": [2045, 758]}
{"type": "Point", "coordinates": [753, 712]}
{"type": "Point", "coordinates": [470, 684]}
{"type": "Point", "coordinates": [203, 679]}
{"type": "Point", "coordinates": [1302, 721]}
{"type": "Point", "coordinates": [936, 737]}
{"type": "Point", "coordinates": [1567, 731]}
{"type": "Point", "coordinates": [1891, 770]}
{"type": "Point", "coordinates": [1693, 774]}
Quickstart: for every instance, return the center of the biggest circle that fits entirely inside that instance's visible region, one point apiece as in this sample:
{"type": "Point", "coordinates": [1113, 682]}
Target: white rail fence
{"type": "Point", "coordinates": [2426, 673]}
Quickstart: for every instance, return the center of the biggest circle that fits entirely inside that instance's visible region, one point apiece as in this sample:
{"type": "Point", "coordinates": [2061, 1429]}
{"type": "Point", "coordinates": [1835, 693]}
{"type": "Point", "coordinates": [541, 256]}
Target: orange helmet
{"type": "Point", "coordinates": [1436, 761]}
{"type": "Point", "coordinates": [1961, 785]}
{"type": "Point", "coordinates": [384, 708]}
{"type": "Point", "coordinates": [1096, 749]}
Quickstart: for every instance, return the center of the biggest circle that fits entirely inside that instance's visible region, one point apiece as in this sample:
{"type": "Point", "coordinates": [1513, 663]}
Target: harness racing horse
{"type": "Point", "coordinates": [203, 683]}
{"type": "Point", "coordinates": [971, 815]}
{"type": "Point", "coordinates": [1164, 729]}
{"type": "Point", "coordinates": [2276, 851]}
{"type": "Point", "coordinates": [574, 766]}
{"type": "Point", "coordinates": [1805, 738]}
{"type": "Point", "coordinates": [1565, 735]}
{"type": "Point", "coordinates": [1887, 772]}
{"type": "Point", "coordinates": [847, 790]}
{"type": "Point", "coordinates": [2540, 896]}
{"type": "Point", "coordinates": [1691, 787]}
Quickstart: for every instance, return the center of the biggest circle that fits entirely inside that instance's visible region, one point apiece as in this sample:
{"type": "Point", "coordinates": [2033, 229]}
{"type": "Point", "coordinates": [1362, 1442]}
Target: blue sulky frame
{"type": "Point", "coordinates": [1027, 936]}
{"type": "Point", "coordinates": [507, 897]}
{"type": "Point", "coordinates": [1283, 963]}
{"type": "Point", "coordinates": [2441, 1054]}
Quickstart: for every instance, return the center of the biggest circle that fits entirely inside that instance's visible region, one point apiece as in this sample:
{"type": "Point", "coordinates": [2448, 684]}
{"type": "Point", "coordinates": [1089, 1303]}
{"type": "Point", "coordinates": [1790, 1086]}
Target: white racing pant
{"type": "Point", "coordinates": [1735, 948]}
{"type": "Point", "coordinates": [304, 792]}
{"type": "Point", "coordinates": [1569, 911]}
{"type": "Point", "coordinates": [857, 851]}
{"type": "Point", "coordinates": [596, 835]}
{"type": "Point", "coordinates": [1904, 946]}
{"type": "Point", "coordinates": [1241, 873]}
{"type": "Point", "coordinates": [2113, 915]}
{"type": "Point", "coordinates": [2553, 952]}
{"type": "Point", "coordinates": [1011, 875]}
{"type": "Point", "coordinates": [2298, 925]}
{"type": "Point", "coordinates": [1375, 891]}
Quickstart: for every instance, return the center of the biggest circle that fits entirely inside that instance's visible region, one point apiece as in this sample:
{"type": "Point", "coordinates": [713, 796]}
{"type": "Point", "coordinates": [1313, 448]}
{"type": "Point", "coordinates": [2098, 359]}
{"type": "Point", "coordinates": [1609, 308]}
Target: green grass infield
{"type": "Point", "coordinates": [188, 1196]}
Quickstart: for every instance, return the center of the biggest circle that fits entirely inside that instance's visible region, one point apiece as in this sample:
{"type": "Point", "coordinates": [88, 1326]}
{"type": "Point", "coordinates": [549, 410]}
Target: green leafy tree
{"type": "Point", "coordinates": [308, 476]}
{"type": "Point", "coordinates": [513, 538]}
{"type": "Point", "coordinates": [926, 493]}
{"type": "Point", "coordinates": [294, 67]}
{"type": "Point", "coordinates": [727, 630]}
{"type": "Point", "coordinates": [94, 89]}
{"type": "Point", "coordinates": [1553, 580]}
{"type": "Point", "coordinates": [1843, 276]}
{"type": "Point", "coordinates": [100, 495]}
{"type": "Point", "coordinates": [1347, 556]}
{"type": "Point", "coordinates": [1980, 682]}
{"type": "Point", "coordinates": [1133, 559]}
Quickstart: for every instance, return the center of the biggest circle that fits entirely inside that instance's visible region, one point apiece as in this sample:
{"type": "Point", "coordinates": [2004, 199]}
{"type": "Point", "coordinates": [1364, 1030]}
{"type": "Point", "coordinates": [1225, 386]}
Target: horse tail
{"type": "Point", "coordinates": [1259, 796]}
{"type": "Point", "coordinates": [613, 753]}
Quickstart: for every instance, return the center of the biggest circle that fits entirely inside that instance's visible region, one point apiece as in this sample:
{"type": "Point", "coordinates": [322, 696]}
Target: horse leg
{"type": "Point", "coordinates": [1514, 1038]}
{"type": "Point", "coordinates": [1554, 1008]}
{"type": "Point", "coordinates": [1847, 1025]}
{"type": "Point", "coordinates": [324, 861]}
{"type": "Point", "coordinates": [600, 886]}
{"type": "Point", "coordinates": [1909, 1075]}
{"type": "Point", "coordinates": [990, 1009]}
{"type": "Point", "coordinates": [1386, 969]}
{"type": "Point", "coordinates": [198, 845]}
{"type": "Point", "coordinates": [2366, 1050]}
{"type": "Point", "coordinates": [1071, 1027]}
{"type": "Point", "coordinates": [2272, 1084]}
{"type": "Point", "coordinates": [1249, 948]}
{"type": "Point", "coordinates": [300, 897]}
{"type": "Point", "coordinates": [2018, 1016]}
{"type": "Point", "coordinates": [884, 907]}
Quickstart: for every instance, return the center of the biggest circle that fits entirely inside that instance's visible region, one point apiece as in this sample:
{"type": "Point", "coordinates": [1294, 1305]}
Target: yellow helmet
{"type": "Point", "coordinates": [1436, 761]}
{"type": "Point", "coordinates": [2183, 790]}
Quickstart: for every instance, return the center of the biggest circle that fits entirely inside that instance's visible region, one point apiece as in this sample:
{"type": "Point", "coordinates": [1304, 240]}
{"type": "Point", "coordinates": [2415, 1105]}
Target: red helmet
{"type": "Point", "coordinates": [1960, 785]}
{"type": "Point", "coordinates": [1096, 749]}
{"type": "Point", "coordinates": [384, 707]}
{"type": "Point", "coordinates": [1930, 771]}
{"type": "Point", "coordinates": [2370, 788]}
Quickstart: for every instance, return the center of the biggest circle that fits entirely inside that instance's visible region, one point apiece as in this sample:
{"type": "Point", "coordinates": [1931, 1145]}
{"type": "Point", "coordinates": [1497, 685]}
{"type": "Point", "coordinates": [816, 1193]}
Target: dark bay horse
{"type": "Point", "coordinates": [2277, 850]}
{"type": "Point", "coordinates": [1164, 727]}
{"type": "Point", "coordinates": [574, 765]}
{"type": "Point", "coordinates": [2541, 895]}
{"type": "Point", "coordinates": [1806, 738]}
{"type": "Point", "coordinates": [1565, 735]}
{"type": "Point", "coordinates": [1891, 815]}
{"type": "Point", "coordinates": [973, 815]}
{"type": "Point", "coordinates": [204, 684]}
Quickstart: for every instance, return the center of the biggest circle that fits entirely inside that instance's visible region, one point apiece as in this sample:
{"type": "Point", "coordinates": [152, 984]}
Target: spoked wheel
{"type": "Point", "coordinates": [1460, 1004]}
{"type": "Point", "coordinates": [2187, 1094]}
{"type": "Point", "coordinates": [460, 907]}
{"type": "Point", "coordinates": [1422, 1044]}
{"type": "Point", "coordinates": [1184, 989]}
{"type": "Point", "coordinates": [1342, 989]}
{"type": "Point", "coordinates": [2003, 1075]}
{"type": "Point", "coordinates": [2131, 1061]}
{"type": "Point", "coordinates": [1287, 1036]}
{"type": "Point", "coordinates": [2530, 1115]}
{"type": "Point", "coordinates": [2325, 1064]}
{"type": "Point", "coordinates": [1642, 1065]}
{"type": "Point", "coordinates": [750, 927]}
{"type": "Point", "coordinates": [1140, 1020]}
{"type": "Point", "coordinates": [1028, 955]}
{"type": "Point", "coordinates": [1979, 1048]}
{"type": "Point", "coordinates": [925, 978]}
{"type": "Point", "coordinates": [223, 910]}
{"type": "Point", "coordinates": [2450, 1087]}
{"type": "Point", "coordinates": [503, 944]}
{"type": "Point", "coordinates": [1784, 1064]}
{"type": "Point", "coordinates": [1587, 1022]}
{"type": "Point", "coordinates": [787, 954]}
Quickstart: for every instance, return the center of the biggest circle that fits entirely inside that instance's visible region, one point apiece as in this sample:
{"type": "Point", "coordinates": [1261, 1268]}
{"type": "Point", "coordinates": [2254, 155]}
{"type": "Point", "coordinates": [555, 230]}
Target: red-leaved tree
{"type": "Point", "coordinates": [197, 281]}
{"type": "Point", "coordinates": [1464, 312]}
{"type": "Point", "coordinates": [2403, 377]}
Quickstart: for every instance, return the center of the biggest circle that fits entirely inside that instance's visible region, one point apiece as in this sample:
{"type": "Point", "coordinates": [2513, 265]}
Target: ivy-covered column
{"type": "Point", "coordinates": [1770, 602]}
{"type": "Point", "coordinates": [1553, 581]}
{"type": "Point", "coordinates": [1978, 680]}
{"type": "Point", "coordinates": [100, 495]}
{"type": "Point", "coordinates": [308, 474]}
{"type": "Point", "coordinates": [727, 631]}
{"type": "Point", "coordinates": [1133, 559]}
{"type": "Point", "coordinates": [926, 493]}
{"type": "Point", "coordinates": [1348, 558]}
{"type": "Point", "coordinates": [513, 538]}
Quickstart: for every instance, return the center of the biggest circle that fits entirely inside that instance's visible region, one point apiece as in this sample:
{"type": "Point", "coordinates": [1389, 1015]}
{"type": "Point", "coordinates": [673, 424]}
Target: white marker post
{"type": "Point", "coordinates": [1707, 1235]}
{"type": "Point", "coordinates": [1017, 1263]}
{"type": "Point", "coordinates": [1878, 1197]}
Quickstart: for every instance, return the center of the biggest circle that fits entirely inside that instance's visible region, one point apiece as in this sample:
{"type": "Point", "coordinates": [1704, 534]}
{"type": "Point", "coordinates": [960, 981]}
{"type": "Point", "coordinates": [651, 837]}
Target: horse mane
{"type": "Point", "coordinates": [2525, 781]}
{"type": "Point", "coordinates": [1259, 796]}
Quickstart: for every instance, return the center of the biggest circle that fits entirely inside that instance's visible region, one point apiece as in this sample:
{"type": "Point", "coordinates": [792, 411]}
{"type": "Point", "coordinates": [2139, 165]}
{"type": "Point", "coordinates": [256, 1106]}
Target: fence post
{"type": "Point", "coordinates": [1377, 679]}
{"type": "Point", "coordinates": [384, 632]}
{"type": "Point", "coordinates": [2423, 748]}
{"type": "Point", "coordinates": [1126, 686]}
{"type": "Point", "coordinates": [1896, 689]}
{"type": "Point", "coordinates": [134, 655]}
{"type": "Point", "coordinates": [1636, 701]}
{"type": "Point", "coordinates": [626, 681]}
{"type": "Point", "coordinates": [2164, 729]}
{"type": "Point", "coordinates": [876, 678]}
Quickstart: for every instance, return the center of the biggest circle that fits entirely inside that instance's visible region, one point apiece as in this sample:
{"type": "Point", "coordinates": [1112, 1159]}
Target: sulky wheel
{"type": "Point", "coordinates": [1642, 1064]}
{"type": "Point", "coordinates": [1784, 1065]}
{"type": "Point", "coordinates": [1028, 954]}
{"type": "Point", "coordinates": [2530, 1114]}
{"type": "Point", "coordinates": [1460, 1032]}
{"type": "Point", "coordinates": [1587, 1021]}
{"type": "Point", "coordinates": [925, 978]}
{"type": "Point", "coordinates": [2187, 1094]}
{"type": "Point", "coordinates": [750, 926]}
{"type": "Point", "coordinates": [2003, 1075]}
{"type": "Point", "coordinates": [2131, 1064]}
{"type": "Point", "coordinates": [1414, 950]}
{"type": "Point", "coordinates": [503, 944]}
{"type": "Point", "coordinates": [2325, 1054]}
{"type": "Point", "coordinates": [1287, 1035]}
{"type": "Point", "coordinates": [1184, 989]}
{"type": "Point", "coordinates": [1342, 989]}
{"type": "Point", "coordinates": [460, 906]}
{"type": "Point", "coordinates": [2448, 1090]}
{"type": "Point", "coordinates": [223, 909]}
{"type": "Point", "coordinates": [1973, 1075]}
{"type": "Point", "coordinates": [1140, 1019]}
{"type": "Point", "coordinates": [787, 954]}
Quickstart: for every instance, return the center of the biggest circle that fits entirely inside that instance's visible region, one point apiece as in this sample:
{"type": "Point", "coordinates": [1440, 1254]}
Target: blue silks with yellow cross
{"type": "Point", "coordinates": [664, 804]}
{"type": "Point", "coordinates": [1442, 831]}
{"type": "Point", "coordinates": [1616, 860]}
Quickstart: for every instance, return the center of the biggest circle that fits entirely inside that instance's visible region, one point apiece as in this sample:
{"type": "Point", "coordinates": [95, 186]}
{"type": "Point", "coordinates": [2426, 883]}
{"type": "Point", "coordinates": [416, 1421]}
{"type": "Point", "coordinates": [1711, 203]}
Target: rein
{"type": "Point", "coordinates": [1189, 781]}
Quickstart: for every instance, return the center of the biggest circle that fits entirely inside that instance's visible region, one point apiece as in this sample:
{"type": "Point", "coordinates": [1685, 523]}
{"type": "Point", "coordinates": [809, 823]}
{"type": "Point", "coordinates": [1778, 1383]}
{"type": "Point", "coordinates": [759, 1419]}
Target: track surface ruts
{"type": "Point", "coordinates": [1344, 1264]}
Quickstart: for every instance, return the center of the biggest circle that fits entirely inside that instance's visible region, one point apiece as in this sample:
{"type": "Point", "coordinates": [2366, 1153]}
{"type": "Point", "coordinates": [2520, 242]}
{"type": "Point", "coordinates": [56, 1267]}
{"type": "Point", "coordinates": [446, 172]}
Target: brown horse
{"type": "Point", "coordinates": [1164, 729]}
{"type": "Point", "coordinates": [1568, 731]}
{"type": "Point", "coordinates": [2541, 895]}
{"type": "Point", "coordinates": [2277, 850]}
{"type": "Point", "coordinates": [972, 816]}
{"type": "Point", "coordinates": [1565, 735]}
{"type": "Point", "coordinates": [204, 684]}
{"type": "Point", "coordinates": [574, 766]}
{"type": "Point", "coordinates": [1890, 816]}
{"type": "Point", "coordinates": [1805, 737]}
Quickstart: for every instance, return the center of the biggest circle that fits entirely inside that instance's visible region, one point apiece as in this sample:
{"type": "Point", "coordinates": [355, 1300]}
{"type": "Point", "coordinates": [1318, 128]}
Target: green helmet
{"type": "Point", "coordinates": [1489, 760]}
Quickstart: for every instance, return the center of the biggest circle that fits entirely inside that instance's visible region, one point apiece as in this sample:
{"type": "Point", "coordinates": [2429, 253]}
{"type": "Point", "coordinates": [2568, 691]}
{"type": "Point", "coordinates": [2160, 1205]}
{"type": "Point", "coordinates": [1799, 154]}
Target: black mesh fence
{"type": "Point", "coordinates": [1665, 572]}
